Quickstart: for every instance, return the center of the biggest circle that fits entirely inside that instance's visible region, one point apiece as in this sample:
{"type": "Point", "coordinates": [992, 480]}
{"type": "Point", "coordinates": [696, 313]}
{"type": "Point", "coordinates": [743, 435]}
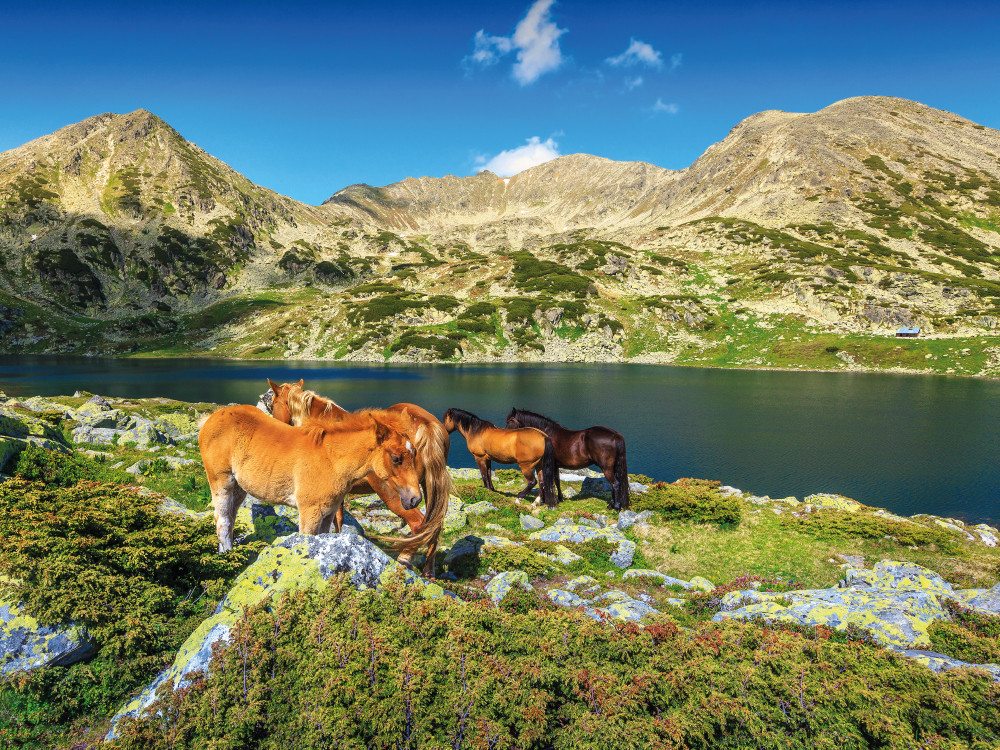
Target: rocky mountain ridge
{"type": "Point", "coordinates": [829, 228]}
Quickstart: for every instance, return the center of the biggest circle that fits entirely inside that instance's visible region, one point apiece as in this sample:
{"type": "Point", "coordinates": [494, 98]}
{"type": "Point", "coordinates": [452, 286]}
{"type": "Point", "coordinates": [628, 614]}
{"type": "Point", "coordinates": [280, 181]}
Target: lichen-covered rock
{"type": "Point", "coordinates": [455, 519]}
{"type": "Point", "coordinates": [578, 582]}
{"type": "Point", "coordinates": [143, 434]}
{"type": "Point", "coordinates": [629, 518]}
{"type": "Point", "coordinates": [623, 556]}
{"type": "Point", "coordinates": [178, 426]}
{"type": "Point", "coordinates": [939, 662]}
{"type": "Point", "coordinates": [479, 509]}
{"type": "Point", "coordinates": [631, 610]}
{"type": "Point", "coordinates": [897, 619]}
{"type": "Point", "coordinates": [565, 598]}
{"type": "Point", "coordinates": [988, 601]}
{"type": "Point", "coordinates": [297, 562]}
{"type": "Point", "coordinates": [501, 584]}
{"type": "Point", "coordinates": [836, 502]}
{"type": "Point", "coordinates": [702, 584]}
{"type": "Point", "coordinates": [890, 575]}
{"type": "Point", "coordinates": [562, 554]}
{"type": "Point", "coordinates": [15, 424]}
{"type": "Point", "coordinates": [987, 534]}
{"type": "Point", "coordinates": [530, 523]}
{"type": "Point", "coordinates": [25, 644]}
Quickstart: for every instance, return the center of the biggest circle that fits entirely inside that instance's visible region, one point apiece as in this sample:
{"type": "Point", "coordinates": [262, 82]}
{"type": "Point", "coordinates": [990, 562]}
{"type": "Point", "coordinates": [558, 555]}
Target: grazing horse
{"type": "Point", "coordinates": [529, 448]}
{"type": "Point", "coordinates": [310, 468]}
{"type": "Point", "coordinates": [292, 404]}
{"type": "Point", "coordinates": [576, 449]}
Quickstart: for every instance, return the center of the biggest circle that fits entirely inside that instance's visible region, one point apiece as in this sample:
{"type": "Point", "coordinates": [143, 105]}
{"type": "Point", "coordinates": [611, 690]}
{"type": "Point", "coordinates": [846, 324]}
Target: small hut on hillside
{"type": "Point", "coordinates": [907, 332]}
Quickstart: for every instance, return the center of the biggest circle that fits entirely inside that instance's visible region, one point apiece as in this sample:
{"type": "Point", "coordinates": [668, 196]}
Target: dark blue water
{"type": "Point", "coordinates": [912, 444]}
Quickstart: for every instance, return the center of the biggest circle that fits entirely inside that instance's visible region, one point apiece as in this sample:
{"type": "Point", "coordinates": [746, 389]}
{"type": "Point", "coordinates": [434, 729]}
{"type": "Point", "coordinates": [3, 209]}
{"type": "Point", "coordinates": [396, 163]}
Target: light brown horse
{"type": "Point", "coordinates": [310, 468]}
{"type": "Point", "coordinates": [292, 404]}
{"type": "Point", "coordinates": [527, 447]}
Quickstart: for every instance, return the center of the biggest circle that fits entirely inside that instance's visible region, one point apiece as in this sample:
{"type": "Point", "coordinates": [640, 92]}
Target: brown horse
{"type": "Point", "coordinates": [529, 448]}
{"type": "Point", "coordinates": [292, 404]}
{"type": "Point", "coordinates": [310, 468]}
{"type": "Point", "coordinates": [576, 449]}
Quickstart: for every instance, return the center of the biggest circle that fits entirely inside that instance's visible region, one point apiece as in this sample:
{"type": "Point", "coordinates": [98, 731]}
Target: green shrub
{"type": "Point", "coordinates": [534, 275]}
{"type": "Point", "coordinates": [347, 669]}
{"type": "Point", "coordinates": [970, 636]}
{"type": "Point", "coordinates": [60, 470]}
{"type": "Point", "coordinates": [697, 500]}
{"type": "Point", "coordinates": [476, 326]}
{"type": "Point", "coordinates": [511, 557]}
{"type": "Point", "coordinates": [105, 557]}
{"type": "Point", "coordinates": [833, 524]}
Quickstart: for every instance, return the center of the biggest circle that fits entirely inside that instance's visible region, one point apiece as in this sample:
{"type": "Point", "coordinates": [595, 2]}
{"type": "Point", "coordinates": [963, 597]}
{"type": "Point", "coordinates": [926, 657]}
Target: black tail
{"type": "Point", "coordinates": [620, 496]}
{"type": "Point", "coordinates": [550, 476]}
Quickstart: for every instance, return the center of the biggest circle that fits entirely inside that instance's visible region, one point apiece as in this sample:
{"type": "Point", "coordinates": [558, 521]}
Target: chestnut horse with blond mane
{"type": "Point", "coordinates": [293, 404]}
{"type": "Point", "coordinates": [310, 468]}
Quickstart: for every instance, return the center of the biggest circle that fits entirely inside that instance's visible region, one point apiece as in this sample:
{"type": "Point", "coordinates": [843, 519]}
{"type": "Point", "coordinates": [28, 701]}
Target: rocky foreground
{"type": "Point", "coordinates": [611, 568]}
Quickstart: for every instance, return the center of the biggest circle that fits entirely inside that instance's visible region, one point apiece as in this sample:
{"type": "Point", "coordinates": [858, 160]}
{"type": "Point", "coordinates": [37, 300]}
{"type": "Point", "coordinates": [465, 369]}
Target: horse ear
{"type": "Point", "coordinates": [274, 386]}
{"type": "Point", "coordinates": [302, 382]}
{"type": "Point", "coordinates": [381, 432]}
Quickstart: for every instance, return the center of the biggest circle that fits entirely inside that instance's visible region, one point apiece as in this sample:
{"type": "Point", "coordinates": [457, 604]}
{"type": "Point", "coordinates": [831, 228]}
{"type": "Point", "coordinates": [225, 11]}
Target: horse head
{"type": "Point", "coordinates": [279, 400]}
{"type": "Point", "coordinates": [398, 464]}
{"type": "Point", "coordinates": [513, 421]}
{"type": "Point", "coordinates": [448, 421]}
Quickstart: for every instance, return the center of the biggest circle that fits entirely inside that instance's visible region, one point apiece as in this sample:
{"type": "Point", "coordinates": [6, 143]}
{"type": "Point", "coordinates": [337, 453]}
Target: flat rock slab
{"type": "Point", "coordinates": [895, 619]}
{"type": "Point", "coordinates": [530, 523]}
{"type": "Point", "coordinates": [480, 509]}
{"type": "Point", "coordinates": [26, 644]}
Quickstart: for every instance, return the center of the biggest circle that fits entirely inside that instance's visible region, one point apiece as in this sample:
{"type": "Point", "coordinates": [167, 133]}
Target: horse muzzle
{"type": "Point", "coordinates": [409, 499]}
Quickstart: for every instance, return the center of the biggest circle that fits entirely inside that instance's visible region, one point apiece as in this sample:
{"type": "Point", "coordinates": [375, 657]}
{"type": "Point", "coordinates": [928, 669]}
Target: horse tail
{"type": "Point", "coordinates": [432, 443]}
{"type": "Point", "coordinates": [550, 475]}
{"type": "Point", "coordinates": [621, 495]}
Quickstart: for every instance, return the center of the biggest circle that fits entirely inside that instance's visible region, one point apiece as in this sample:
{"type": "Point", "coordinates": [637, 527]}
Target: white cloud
{"type": "Point", "coordinates": [510, 162]}
{"type": "Point", "coordinates": [675, 60]}
{"type": "Point", "coordinates": [631, 83]}
{"type": "Point", "coordinates": [535, 38]}
{"type": "Point", "coordinates": [637, 53]}
{"type": "Point", "coordinates": [670, 109]}
{"type": "Point", "coordinates": [489, 49]}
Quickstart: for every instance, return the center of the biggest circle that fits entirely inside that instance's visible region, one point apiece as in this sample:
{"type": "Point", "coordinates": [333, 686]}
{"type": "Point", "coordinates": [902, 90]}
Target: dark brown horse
{"type": "Point", "coordinates": [576, 449]}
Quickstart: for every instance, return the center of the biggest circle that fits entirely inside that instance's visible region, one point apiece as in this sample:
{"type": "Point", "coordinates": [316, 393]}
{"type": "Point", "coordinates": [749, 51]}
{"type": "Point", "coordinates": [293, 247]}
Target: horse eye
{"type": "Point", "coordinates": [396, 459]}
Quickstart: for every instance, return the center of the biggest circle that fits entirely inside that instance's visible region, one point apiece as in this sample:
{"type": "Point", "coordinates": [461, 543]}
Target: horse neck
{"type": "Point", "coordinates": [354, 447]}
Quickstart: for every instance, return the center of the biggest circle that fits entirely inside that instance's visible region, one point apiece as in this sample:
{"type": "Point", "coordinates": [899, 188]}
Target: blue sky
{"type": "Point", "coordinates": [306, 98]}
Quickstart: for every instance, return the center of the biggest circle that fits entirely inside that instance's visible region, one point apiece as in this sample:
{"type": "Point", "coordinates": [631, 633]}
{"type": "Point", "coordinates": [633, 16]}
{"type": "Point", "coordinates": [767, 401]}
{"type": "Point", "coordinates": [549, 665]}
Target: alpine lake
{"type": "Point", "coordinates": [910, 444]}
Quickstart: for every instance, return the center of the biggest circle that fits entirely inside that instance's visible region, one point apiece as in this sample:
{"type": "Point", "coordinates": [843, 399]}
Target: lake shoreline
{"type": "Point", "coordinates": [855, 370]}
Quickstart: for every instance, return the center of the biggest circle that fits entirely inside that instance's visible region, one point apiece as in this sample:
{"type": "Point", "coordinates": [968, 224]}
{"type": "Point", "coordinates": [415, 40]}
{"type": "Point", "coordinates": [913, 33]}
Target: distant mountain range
{"type": "Point", "coordinates": [798, 240]}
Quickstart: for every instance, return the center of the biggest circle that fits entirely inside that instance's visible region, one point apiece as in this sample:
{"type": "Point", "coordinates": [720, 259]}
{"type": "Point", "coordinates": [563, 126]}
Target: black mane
{"type": "Point", "coordinates": [530, 419]}
{"type": "Point", "coordinates": [467, 421]}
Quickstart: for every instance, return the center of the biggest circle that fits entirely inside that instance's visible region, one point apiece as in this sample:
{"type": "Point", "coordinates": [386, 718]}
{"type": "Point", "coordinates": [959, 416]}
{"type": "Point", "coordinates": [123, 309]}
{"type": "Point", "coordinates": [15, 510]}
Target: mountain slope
{"type": "Point", "coordinates": [798, 239]}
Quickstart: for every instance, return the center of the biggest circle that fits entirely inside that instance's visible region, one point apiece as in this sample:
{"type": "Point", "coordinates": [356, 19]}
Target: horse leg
{"type": "Point", "coordinates": [223, 487]}
{"type": "Point", "coordinates": [529, 476]}
{"type": "Point", "coordinates": [484, 465]}
{"type": "Point", "coordinates": [429, 571]}
{"type": "Point", "coordinates": [609, 474]}
{"type": "Point", "coordinates": [310, 518]}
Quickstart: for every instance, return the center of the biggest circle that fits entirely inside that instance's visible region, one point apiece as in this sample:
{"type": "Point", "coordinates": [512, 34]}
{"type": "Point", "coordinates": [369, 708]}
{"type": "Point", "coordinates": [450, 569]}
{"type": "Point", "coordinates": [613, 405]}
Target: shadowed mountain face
{"type": "Point", "coordinates": [872, 213]}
